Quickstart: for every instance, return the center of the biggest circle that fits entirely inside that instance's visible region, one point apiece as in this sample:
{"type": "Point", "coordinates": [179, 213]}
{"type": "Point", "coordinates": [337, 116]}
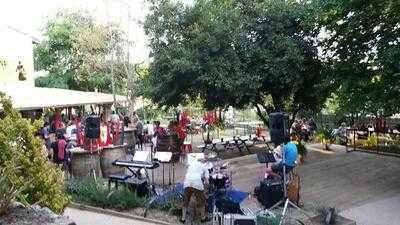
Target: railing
{"type": "Point", "coordinates": [386, 143]}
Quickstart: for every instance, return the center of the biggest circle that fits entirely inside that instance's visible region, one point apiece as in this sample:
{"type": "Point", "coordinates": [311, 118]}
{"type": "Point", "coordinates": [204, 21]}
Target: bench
{"type": "Point", "coordinates": [140, 185]}
{"type": "Point", "coordinates": [116, 178]}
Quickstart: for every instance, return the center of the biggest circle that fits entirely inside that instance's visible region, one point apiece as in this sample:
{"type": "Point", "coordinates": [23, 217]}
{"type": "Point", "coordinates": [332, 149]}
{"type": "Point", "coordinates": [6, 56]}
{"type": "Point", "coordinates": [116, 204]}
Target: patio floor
{"type": "Point", "coordinates": [337, 178]}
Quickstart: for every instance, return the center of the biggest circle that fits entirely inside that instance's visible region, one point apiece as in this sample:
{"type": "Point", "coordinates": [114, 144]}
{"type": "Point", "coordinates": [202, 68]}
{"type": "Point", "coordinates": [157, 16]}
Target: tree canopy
{"type": "Point", "coordinates": [79, 53]}
{"type": "Point", "coordinates": [237, 53]}
{"type": "Point", "coordinates": [362, 44]}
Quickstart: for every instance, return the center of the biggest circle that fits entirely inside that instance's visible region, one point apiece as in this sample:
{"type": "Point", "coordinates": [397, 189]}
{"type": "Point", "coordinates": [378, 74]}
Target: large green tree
{"type": "Point", "coordinates": [235, 52]}
{"type": "Point", "coordinates": [79, 54]}
{"type": "Point", "coordinates": [362, 44]}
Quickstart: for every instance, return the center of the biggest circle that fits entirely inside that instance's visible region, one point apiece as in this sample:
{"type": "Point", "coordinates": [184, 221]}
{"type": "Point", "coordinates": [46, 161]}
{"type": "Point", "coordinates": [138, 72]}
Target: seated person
{"type": "Point", "coordinates": [290, 151]}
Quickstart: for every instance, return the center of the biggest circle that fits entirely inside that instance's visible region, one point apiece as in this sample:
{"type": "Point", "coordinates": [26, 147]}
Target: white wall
{"type": "Point", "coordinates": [15, 46]}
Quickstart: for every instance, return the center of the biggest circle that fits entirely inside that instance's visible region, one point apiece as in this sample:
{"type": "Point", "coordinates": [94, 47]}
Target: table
{"type": "Point", "coordinates": [228, 144]}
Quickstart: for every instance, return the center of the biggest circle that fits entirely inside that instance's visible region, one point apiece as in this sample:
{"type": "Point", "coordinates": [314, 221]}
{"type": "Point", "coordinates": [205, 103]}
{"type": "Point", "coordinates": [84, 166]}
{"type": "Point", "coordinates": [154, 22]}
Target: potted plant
{"type": "Point", "coordinates": [302, 151]}
{"type": "Point", "coordinates": [325, 137]}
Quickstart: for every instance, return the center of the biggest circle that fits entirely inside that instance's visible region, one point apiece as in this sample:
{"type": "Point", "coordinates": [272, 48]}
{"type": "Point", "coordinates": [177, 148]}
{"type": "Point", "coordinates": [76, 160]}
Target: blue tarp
{"type": "Point", "coordinates": [233, 194]}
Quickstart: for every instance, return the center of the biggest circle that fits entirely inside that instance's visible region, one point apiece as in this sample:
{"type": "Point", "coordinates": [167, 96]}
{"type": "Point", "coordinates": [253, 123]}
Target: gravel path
{"type": "Point", "coordinates": [83, 217]}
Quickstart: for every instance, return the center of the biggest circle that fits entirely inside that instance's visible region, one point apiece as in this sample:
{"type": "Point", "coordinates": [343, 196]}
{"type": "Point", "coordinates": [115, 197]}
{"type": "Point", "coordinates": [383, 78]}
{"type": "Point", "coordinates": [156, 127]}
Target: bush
{"type": "Point", "coordinates": [96, 194]}
{"type": "Point", "coordinates": [372, 141]}
{"type": "Point", "coordinates": [7, 193]}
{"type": "Point", "coordinates": [41, 182]}
{"type": "Point", "coordinates": [301, 148]}
{"type": "Point", "coordinates": [324, 136]}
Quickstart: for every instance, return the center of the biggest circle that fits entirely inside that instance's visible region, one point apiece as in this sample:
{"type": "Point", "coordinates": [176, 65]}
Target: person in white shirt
{"type": "Point", "coordinates": [195, 179]}
{"type": "Point", "coordinates": [114, 117]}
{"type": "Point", "coordinates": [71, 135]}
{"type": "Point", "coordinates": [70, 132]}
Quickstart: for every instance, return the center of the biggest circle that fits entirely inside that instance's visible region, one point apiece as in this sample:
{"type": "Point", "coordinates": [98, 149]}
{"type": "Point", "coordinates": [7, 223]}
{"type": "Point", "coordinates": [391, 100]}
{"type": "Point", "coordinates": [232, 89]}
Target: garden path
{"type": "Point", "coordinates": [84, 217]}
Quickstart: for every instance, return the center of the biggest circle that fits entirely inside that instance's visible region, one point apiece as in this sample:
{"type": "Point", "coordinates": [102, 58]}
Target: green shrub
{"type": "Point", "coordinates": [40, 181]}
{"type": "Point", "coordinates": [7, 192]}
{"type": "Point", "coordinates": [324, 136]}
{"type": "Point", "coordinates": [372, 141]}
{"type": "Point", "coordinates": [96, 194]}
{"type": "Point", "coordinates": [301, 148]}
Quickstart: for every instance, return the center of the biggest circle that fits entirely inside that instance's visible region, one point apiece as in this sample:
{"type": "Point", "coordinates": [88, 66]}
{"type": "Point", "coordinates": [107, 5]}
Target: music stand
{"type": "Point", "coordinates": [266, 157]}
{"type": "Point", "coordinates": [164, 157]}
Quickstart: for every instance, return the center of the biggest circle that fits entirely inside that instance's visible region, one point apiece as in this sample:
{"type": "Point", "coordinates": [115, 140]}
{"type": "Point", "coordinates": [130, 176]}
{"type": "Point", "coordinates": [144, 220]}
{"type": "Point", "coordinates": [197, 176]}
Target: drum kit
{"type": "Point", "coordinates": [220, 175]}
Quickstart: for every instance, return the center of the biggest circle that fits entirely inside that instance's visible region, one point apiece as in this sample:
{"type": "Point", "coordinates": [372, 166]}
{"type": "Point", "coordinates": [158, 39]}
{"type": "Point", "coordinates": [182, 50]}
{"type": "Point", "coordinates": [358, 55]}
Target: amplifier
{"type": "Point", "coordinates": [237, 219]}
{"type": "Point", "coordinates": [269, 193]}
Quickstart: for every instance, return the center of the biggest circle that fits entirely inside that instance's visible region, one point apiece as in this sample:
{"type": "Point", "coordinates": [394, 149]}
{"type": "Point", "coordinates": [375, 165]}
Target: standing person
{"type": "Point", "coordinates": [139, 132]}
{"type": "Point", "coordinates": [115, 127]}
{"type": "Point", "coordinates": [114, 117]}
{"type": "Point", "coordinates": [342, 134]}
{"type": "Point", "coordinates": [148, 131]}
{"type": "Point", "coordinates": [21, 71]}
{"type": "Point", "coordinates": [127, 121]}
{"type": "Point", "coordinates": [159, 131]}
{"type": "Point", "coordinates": [59, 149]}
{"type": "Point", "coordinates": [45, 133]}
{"type": "Point", "coordinates": [71, 134]}
{"type": "Point", "coordinates": [176, 129]}
{"type": "Point", "coordinates": [105, 133]}
{"type": "Point", "coordinates": [195, 179]}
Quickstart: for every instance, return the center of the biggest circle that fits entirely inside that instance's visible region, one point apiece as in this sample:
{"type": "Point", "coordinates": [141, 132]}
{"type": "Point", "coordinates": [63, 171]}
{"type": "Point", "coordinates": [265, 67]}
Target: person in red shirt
{"type": "Point", "coordinates": [158, 130]}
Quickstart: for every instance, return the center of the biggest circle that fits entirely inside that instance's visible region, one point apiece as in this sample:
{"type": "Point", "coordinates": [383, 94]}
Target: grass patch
{"type": "Point", "coordinates": [97, 194]}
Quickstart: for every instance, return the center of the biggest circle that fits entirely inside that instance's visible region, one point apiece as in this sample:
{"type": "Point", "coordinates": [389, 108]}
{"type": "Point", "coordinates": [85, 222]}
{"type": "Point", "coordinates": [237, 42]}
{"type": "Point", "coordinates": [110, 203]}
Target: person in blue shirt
{"type": "Point", "coordinates": [290, 151]}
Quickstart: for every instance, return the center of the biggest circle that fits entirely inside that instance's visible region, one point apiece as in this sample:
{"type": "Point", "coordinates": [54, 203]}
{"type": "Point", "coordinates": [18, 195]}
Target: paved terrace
{"type": "Point", "coordinates": [337, 178]}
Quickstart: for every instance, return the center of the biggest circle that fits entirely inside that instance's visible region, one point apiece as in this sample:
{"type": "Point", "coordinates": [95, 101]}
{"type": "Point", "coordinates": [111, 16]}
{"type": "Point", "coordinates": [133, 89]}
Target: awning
{"type": "Point", "coordinates": [29, 98]}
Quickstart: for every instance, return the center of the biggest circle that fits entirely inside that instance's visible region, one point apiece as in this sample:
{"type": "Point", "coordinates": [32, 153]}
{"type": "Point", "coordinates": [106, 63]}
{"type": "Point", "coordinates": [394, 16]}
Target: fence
{"type": "Point", "coordinates": [386, 143]}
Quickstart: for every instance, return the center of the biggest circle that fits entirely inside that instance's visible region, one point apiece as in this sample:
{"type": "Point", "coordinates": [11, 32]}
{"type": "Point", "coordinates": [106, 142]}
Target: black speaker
{"type": "Point", "coordinates": [279, 130]}
{"type": "Point", "coordinates": [92, 127]}
{"type": "Point", "coordinates": [269, 193]}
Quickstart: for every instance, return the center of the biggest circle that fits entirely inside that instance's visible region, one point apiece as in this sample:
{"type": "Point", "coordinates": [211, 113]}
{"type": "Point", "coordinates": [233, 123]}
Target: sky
{"type": "Point", "coordinates": [30, 16]}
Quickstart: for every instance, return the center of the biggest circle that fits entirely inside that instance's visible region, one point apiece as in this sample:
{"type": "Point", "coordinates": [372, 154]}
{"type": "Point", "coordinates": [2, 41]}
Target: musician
{"type": "Point", "coordinates": [195, 179]}
{"type": "Point", "coordinates": [290, 151]}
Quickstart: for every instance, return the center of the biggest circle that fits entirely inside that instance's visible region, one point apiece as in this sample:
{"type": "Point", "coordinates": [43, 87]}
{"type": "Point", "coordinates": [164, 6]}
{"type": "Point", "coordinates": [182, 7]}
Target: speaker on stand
{"type": "Point", "coordinates": [279, 129]}
{"type": "Point", "coordinates": [92, 132]}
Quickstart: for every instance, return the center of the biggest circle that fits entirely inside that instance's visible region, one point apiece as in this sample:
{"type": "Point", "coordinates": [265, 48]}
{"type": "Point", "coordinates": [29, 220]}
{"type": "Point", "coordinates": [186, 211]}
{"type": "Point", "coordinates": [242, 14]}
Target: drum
{"type": "Point", "coordinates": [219, 180]}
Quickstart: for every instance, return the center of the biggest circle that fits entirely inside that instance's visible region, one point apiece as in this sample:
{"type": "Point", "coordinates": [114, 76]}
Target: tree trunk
{"type": "Point", "coordinates": [277, 102]}
{"type": "Point", "coordinates": [262, 115]}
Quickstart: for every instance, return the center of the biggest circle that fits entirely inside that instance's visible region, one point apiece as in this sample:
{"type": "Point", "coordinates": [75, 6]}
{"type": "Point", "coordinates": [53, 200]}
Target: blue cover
{"type": "Point", "coordinates": [233, 194]}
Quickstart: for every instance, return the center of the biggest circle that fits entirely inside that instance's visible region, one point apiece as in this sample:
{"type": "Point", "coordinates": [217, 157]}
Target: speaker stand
{"type": "Point", "coordinates": [285, 198]}
{"type": "Point", "coordinates": [92, 163]}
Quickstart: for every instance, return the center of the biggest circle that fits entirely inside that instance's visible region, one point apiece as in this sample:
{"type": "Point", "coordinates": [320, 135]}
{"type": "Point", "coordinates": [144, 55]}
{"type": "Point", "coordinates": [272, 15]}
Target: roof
{"type": "Point", "coordinates": [29, 98]}
{"type": "Point", "coordinates": [35, 40]}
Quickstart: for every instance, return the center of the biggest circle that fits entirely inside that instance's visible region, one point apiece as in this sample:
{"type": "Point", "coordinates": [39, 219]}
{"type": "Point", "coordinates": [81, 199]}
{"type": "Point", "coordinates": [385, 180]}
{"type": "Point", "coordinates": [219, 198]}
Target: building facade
{"type": "Point", "coordinates": [16, 57]}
